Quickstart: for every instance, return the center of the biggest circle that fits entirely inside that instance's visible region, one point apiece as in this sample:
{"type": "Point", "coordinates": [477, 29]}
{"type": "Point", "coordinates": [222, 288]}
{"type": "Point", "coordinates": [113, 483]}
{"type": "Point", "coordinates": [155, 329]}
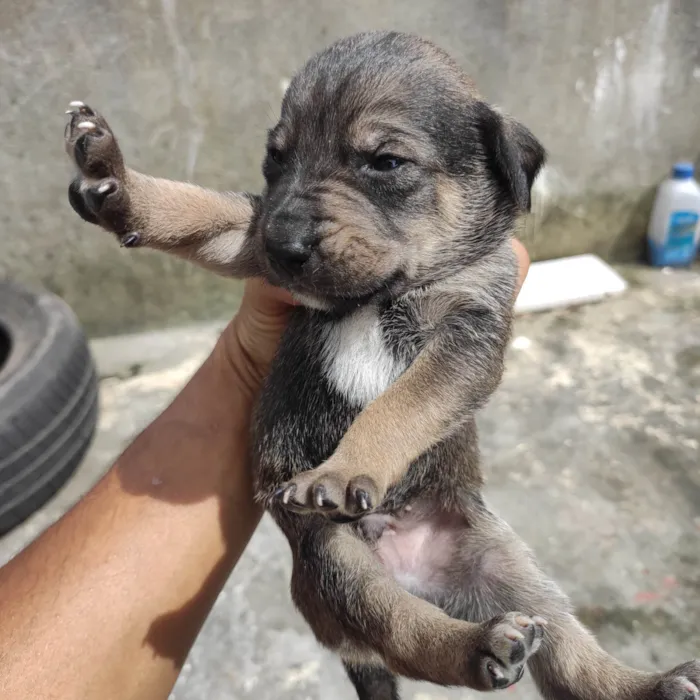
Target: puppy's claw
{"type": "Point", "coordinates": [107, 187]}
{"type": "Point", "coordinates": [363, 500]}
{"type": "Point", "coordinates": [77, 201]}
{"type": "Point", "coordinates": [95, 198]}
{"type": "Point", "coordinates": [131, 240]}
{"type": "Point", "coordinates": [78, 107]}
{"type": "Point", "coordinates": [328, 494]}
{"type": "Point", "coordinates": [322, 500]}
{"type": "Point", "coordinates": [509, 641]}
{"type": "Point", "coordinates": [285, 493]}
{"type": "Point", "coordinates": [286, 497]}
{"type": "Point", "coordinates": [496, 673]}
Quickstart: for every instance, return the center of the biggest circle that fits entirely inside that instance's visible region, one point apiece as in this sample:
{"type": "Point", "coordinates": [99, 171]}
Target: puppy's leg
{"type": "Point", "coordinates": [452, 377]}
{"type": "Point", "coordinates": [570, 665]}
{"type": "Point", "coordinates": [356, 608]}
{"type": "Point", "coordinates": [211, 229]}
{"type": "Point", "coordinates": [373, 682]}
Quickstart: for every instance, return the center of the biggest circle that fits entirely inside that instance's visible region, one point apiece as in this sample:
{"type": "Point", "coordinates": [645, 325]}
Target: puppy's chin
{"type": "Point", "coordinates": [340, 305]}
{"type": "Point", "coordinates": [312, 302]}
{"type": "Point", "coordinates": [323, 291]}
{"type": "Point", "coordinates": [335, 305]}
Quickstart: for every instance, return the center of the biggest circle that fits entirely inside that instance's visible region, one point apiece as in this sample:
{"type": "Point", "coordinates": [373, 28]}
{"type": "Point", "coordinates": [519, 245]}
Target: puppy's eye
{"type": "Point", "coordinates": [385, 162]}
{"type": "Point", "coordinates": [273, 165]}
{"type": "Point", "coordinates": [275, 155]}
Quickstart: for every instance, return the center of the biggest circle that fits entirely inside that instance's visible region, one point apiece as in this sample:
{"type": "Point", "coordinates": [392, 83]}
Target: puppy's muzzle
{"type": "Point", "coordinates": [290, 241]}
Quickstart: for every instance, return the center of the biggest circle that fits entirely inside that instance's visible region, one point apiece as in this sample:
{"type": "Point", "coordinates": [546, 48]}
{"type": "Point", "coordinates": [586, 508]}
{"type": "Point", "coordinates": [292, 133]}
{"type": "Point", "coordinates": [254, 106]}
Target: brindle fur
{"type": "Point", "coordinates": [413, 264]}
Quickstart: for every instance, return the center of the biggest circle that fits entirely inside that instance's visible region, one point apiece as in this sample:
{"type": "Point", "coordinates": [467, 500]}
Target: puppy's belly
{"type": "Point", "coordinates": [417, 549]}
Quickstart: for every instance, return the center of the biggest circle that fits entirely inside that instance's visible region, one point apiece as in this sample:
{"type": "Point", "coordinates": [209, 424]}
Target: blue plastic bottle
{"type": "Point", "coordinates": [674, 227]}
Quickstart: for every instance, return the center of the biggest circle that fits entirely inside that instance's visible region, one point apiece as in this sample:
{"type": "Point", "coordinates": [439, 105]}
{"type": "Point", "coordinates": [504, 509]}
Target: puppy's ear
{"type": "Point", "coordinates": [514, 155]}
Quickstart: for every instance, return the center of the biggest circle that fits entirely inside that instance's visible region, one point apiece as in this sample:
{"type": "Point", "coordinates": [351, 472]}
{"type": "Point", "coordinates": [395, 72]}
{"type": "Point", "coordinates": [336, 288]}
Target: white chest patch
{"type": "Point", "coordinates": [356, 360]}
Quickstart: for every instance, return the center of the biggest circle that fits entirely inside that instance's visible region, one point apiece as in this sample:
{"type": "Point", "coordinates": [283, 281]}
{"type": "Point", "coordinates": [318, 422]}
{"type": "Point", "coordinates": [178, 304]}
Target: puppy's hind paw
{"type": "Point", "coordinates": [508, 642]}
{"type": "Point", "coordinates": [681, 683]}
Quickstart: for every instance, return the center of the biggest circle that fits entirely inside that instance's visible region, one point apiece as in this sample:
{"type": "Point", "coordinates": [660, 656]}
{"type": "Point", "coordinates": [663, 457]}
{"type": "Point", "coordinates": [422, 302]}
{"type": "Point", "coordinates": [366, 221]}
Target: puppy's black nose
{"type": "Point", "coordinates": [290, 252]}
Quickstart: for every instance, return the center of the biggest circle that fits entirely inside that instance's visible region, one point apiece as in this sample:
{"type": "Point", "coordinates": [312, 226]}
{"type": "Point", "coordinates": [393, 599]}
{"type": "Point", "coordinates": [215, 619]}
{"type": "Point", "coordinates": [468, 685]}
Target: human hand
{"type": "Point", "coordinates": [523, 263]}
{"type": "Point", "coordinates": [249, 343]}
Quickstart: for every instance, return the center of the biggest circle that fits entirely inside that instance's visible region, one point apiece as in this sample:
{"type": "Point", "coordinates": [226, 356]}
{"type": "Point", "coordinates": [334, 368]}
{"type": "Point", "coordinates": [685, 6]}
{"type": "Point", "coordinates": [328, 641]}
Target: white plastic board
{"type": "Point", "coordinates": [567, 282]}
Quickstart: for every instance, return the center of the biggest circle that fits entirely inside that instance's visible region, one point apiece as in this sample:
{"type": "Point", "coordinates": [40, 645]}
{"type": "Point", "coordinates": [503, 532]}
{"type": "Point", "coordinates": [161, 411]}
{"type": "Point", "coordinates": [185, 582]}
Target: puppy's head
{"type": "Point", "coordinates": [386, 170]}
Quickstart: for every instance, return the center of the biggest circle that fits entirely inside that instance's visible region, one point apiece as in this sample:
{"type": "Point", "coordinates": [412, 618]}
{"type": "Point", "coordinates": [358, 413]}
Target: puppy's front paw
{"type": "Point", "coordinates": [328, 490]}
{"type": "Point", "coordinates": [98, 193]}
{"type": "Point", "coordinates": [507, 643]}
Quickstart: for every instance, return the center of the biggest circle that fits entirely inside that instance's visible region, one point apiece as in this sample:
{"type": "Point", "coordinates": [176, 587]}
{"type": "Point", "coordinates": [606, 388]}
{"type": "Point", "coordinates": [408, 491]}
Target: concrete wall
{"type": "Point", "coordinates": [612, 87]}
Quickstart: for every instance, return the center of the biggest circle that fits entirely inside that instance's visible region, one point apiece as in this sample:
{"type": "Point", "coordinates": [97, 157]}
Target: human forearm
{"type": "Point", "coordinates": [107, 603]}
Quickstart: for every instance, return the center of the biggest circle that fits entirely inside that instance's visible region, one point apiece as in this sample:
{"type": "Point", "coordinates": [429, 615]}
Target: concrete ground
{"type": "Point", "coordinates": [592, 452]}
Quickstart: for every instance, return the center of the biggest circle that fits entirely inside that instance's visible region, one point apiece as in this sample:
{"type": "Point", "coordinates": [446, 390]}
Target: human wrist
{"type": "Point", "coordinates": [249, 343]}
{"type": "Point", "coordinates": [239, 370]}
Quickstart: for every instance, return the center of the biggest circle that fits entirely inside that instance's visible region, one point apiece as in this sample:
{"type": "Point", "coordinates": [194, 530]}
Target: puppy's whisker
{"type": "Point", "coordinates": [271, 112]}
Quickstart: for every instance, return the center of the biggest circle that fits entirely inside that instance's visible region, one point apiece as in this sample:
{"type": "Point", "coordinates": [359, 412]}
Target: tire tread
{"type": "Point", "coordinates": [49, 410]}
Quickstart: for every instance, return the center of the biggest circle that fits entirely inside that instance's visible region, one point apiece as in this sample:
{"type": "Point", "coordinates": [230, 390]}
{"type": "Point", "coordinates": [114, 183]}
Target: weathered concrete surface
{"type": "Point", "coordinates": [592, 451]}
{"type": "Point", "coordinates": [612, 87]}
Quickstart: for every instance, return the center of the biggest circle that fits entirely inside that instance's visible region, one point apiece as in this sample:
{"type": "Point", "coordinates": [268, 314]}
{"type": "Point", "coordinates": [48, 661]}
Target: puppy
{"type": "Point", "coordinates": [392, 194]}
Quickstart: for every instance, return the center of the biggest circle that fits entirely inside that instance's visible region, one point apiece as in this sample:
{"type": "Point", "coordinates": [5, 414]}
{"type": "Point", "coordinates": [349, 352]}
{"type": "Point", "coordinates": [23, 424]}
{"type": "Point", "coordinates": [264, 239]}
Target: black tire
{"type": "Point", "coordinates": [48, 400]}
